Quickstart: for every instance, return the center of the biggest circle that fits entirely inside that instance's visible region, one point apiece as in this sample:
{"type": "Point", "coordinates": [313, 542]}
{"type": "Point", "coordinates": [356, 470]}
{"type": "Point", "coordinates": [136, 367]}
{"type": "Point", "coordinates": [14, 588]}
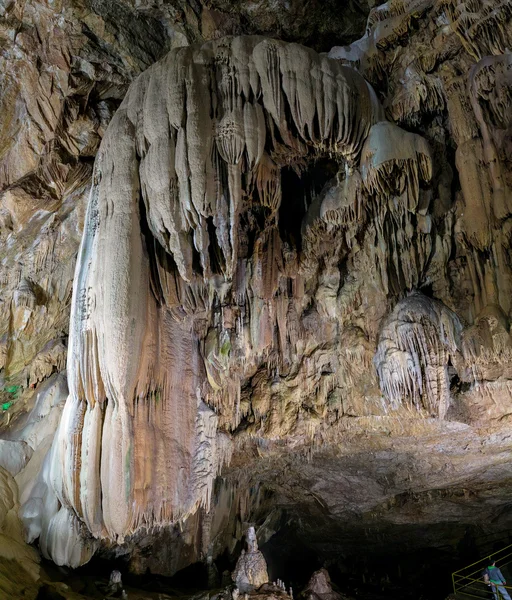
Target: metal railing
{"type": "Point", "coordinates": [472, 583]}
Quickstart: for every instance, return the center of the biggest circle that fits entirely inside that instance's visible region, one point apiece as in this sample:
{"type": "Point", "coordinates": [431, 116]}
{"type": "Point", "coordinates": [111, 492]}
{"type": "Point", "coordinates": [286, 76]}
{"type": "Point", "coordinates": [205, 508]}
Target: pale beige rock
{"type": "Point", "coordinates": [127, 352]}
{"type": "Point", "coordinates": [319, 587]}
{"type": "Point", "coordinates": [251, 568]}
{"type": "Point", "coordinates": [415, 345]}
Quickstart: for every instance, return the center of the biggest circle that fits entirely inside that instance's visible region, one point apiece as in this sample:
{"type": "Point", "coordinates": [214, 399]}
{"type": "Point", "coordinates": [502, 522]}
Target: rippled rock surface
{"type": "Point", "coordinates": [294, 270]}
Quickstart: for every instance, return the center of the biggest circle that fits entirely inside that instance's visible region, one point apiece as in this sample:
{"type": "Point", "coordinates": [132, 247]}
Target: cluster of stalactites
{"type": "Point", "coordinates": [394, 165]}
{"type": "Point", "coordinates": [417, 94]}
{"type": "Point", "coordinates": [394, 162]}
{"type": "Point", "coordinates": [483, 26]}
{"type": "Point", "coordinates": [415, 345]}
{"type": "Point", "coordinates": [343, 202]}
{"type": "Point", "coordinates": [491, 82]}
{"type": "Point", "coordinates": [483, 159]}
{"type": "Point", "coordinates": [200, 136]}
{"type": "Point", "coordinates": [24, 295]}
{"type": "Point", "coordinates": [236, 110]}
{"type": "Point", "coordinates": [388, 26]}
{"type": "Point", "coordinates": [487, 346]}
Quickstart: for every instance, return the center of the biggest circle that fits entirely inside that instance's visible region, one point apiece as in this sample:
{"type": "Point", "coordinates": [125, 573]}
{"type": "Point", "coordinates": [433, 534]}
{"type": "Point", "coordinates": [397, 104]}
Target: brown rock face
{"type": "Point", "coordinates": [320, 588]}
{"type": "Point", "coordinates": [295, 269]}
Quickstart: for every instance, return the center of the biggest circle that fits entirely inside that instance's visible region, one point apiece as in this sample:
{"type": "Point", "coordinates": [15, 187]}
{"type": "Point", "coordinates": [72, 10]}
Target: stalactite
{"type": "Point", "coordinates": [490, 82]}
{"type": "Point", "coordinates": [343, 202]}
{"type": "Point", "coordinates": [393, 162]}
{"type": "Point", "coordinates": [415, 344]}
{"type": "Point", "coordinates": [487, 346]}
{"type": "Point", "coordinates": [254, 238]}
{"type": "Point", "coordinates": [484, 26]}
{"type": "Point", "coordinates": [418, 94]}
{"type": "Point", "coordinates": [24, 296]}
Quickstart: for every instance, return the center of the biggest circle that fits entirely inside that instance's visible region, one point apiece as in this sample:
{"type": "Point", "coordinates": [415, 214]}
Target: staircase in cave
{"type": "Point", "coordinates": [468, 581]}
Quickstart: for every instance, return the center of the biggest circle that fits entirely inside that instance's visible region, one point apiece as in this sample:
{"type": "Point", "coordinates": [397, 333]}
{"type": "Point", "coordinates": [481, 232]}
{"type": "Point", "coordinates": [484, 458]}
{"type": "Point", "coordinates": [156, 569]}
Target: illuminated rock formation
{"type": "Point", "coordinates": [135, 425]}
{"type": "Point", "coordinates": [297, 264]}
{"type": "Point", "coordinates": [416, 343]}
{"type": "Point", "coordinates": [319, 587]}
{"type": "Point", "coordinates": [251, 568]}
{"type": "Point", "coordinates": [200, 136]}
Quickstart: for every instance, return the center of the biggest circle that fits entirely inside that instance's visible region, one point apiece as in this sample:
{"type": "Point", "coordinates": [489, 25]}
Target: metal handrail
{"type": "Point", "coordinates": [462, 582]}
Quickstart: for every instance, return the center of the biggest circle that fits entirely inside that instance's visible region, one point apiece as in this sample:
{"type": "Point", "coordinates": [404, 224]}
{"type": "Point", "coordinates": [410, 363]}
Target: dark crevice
{"type": "Point", "coordinates": [298, 193]}
{"type": "Point", "coordinates": [196, 257]}
{"type": "Point", "coordinates": [217, 260]}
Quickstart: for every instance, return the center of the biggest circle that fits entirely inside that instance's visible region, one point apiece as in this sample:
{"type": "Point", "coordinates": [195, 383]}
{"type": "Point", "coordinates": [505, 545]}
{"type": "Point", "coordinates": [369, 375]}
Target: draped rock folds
{"type": "Point", "coordinates": [416, 344]}
{"type": "Point", "coordinates": [271, 274]}
{"type": "Point", "coordinates": [235, 111]}
{"type": "Point", "coordinates": [196, 147]}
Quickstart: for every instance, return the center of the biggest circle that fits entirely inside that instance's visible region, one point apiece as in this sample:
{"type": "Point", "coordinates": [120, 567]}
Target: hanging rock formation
{"type": "Point", "coordinates": [199, 141]}
{"type": "Point", "coordinates": [416, 343]}
{"type": "Point", "coordinates": [295, 269]}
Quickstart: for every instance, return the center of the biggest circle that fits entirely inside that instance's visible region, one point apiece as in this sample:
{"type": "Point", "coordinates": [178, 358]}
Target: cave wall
{"type": "Point", "coordinates": [294, 267]}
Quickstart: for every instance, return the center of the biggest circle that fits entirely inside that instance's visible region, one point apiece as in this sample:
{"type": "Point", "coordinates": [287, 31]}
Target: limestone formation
{"type": "Point", "coordinates": [13, 550]}
{"type": "Point", "coordinates": [251, 568]}
{"type": "Point", "coordinates": [295, 271]}
{"type": "Point", "coordinates": [319, 587]}
{"type": "Point", "coordinates": [115, 584]}
{"type": "Point", "coordinates": [152, 274]}
{"type": "Point", "coordinates": [416, 344]}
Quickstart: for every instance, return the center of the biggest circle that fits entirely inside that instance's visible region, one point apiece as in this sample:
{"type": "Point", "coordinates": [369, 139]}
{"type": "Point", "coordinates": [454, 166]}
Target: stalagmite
{"type": "Point", "coordinates": [319, 587]}
{"type": "Point", "coordinates": [251, 568]}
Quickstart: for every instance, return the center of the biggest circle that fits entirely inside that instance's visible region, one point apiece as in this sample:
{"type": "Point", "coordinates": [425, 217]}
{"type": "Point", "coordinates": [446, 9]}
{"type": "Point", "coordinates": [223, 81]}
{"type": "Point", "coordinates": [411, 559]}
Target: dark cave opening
{"type": "Point", "coordinates": [296, 197]}
{"type": "Point", "coordinates": [378, 564]}
{"type": "Point", "coordinates": [392, 569]}
{"type": "Point", "coordinates": [298, 193]}
{"type": "Point", "coordinates": [92, 578]}
{"type": "Point", "coordinates": [217, 260]}
{"type": "Point", "coordinates": [294, 568]}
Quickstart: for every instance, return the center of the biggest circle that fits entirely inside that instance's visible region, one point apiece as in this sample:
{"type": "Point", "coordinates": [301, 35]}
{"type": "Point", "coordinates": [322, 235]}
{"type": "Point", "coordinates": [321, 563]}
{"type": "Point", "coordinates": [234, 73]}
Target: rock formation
{"type": "Point", "coordinates": [416, 343]}
{"type": "Point", "coordinates": [320, 588]}
{"type": "Point", "coordinates": [294, 269]}
{"type": "Point", "coordinates": [19, 568]}
{"type": "Point", "coordinates": [251, 568]}
{"type": "Point", "coordinates": [115, 584]}
{"type": "Point", "coordinates": [159, 272]}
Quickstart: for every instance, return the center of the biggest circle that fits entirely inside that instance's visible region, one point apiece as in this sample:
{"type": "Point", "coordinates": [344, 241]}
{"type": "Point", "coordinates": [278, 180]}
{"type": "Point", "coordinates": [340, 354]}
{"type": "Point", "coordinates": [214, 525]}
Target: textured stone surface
{"type": "Point", "coordinates": [281, 264]}
{"type": "Point", "coordinates": [319, 587]}
{"type": "Point", "coordinates": [251, 568]}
